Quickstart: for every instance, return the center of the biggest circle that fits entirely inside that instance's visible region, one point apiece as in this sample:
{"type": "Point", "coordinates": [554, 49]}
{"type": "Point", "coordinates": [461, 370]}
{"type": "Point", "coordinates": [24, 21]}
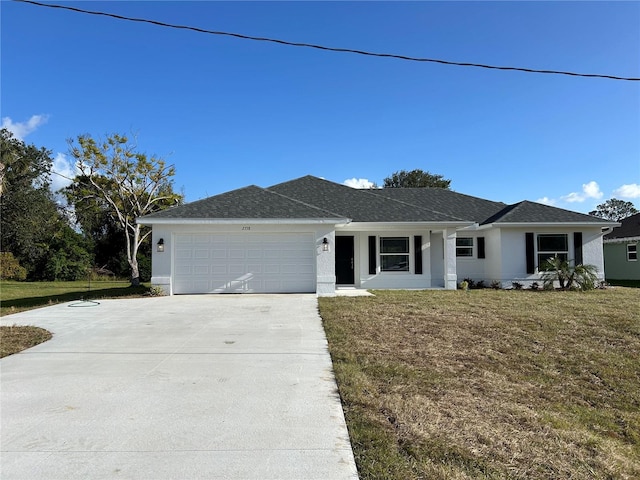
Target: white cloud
{"type": "Point", "coordinates": [589, 190]}
{"type": "Point", "coordinates": [547, 201]}
{"type": "Point", "coordinates": [631, 190]}
{"type": "Point", "coordinates": [358, 183]}
{"type": "Point", "coordinates": [22, 129]}
{"type": "Point", "coordinates": [62, 172]}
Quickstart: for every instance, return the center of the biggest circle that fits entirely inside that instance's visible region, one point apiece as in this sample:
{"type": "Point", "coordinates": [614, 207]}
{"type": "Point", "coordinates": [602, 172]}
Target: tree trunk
{"type": "Point", "coordinates": [135, 275]}
{"type": "Point", "coordinates": [132, 253]}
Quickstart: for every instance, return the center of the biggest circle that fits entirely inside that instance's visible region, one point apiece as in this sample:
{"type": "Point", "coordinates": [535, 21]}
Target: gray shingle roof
{"type": "Point", "coordinates": [247, 202]}
{"type": "Point", "coordinates": [630, 228]}
{"type": "Point", "coordinates": [357, 204]}
{"type": "Point", "coordinates": [532, 212]}
{"type": "Point", "coordinates": [314, 198]}
{"type": "Point", "coordinates": [446, 201]}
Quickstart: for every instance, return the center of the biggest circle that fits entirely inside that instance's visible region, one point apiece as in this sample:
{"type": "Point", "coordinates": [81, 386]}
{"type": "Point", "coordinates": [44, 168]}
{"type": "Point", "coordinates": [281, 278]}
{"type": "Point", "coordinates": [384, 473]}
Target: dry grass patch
{"type": "Point", "coordinates": [490, 384]}
{"type": "Point", "coordinates": [14, 339]}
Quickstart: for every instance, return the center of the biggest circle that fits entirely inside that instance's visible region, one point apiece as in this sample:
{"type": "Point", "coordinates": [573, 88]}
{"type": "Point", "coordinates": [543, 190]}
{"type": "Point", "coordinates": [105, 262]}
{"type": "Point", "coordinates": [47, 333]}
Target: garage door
{"type": "Point", "coordinates": [247, 263]}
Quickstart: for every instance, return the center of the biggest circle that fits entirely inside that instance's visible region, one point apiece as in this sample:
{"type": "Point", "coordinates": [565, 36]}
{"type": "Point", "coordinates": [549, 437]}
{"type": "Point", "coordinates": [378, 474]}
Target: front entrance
{"type": "Point", "coordinates": [344, 261]}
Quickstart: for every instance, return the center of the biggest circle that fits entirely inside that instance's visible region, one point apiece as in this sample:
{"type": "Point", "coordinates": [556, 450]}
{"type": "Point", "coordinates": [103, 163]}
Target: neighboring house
{"type": "Point", "coordinates": [621, 250]}
{"type": "Point", "coordinates": [312, 235]}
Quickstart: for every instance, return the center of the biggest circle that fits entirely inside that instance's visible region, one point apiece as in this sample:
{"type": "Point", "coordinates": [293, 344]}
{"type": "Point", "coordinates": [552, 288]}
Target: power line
{"type": "Point", "coordinates": [330, 49]}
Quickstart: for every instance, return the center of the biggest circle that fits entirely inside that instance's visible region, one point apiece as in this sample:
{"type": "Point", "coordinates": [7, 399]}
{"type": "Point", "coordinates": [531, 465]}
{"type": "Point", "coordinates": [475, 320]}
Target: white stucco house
{"type": "Point", "coordinates": [313, 235]}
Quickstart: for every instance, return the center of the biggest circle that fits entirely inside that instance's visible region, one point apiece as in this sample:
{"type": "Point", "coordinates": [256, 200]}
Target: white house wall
{"type": "Point", "coordinates": [436, 258]}
{"type": "Point", "coordinates": [162, 262]}
{"type": "Point", "coordinates": [513, 252]}
{"type": "Point", "coordinates": [593, 251]}
{"type": "Point", "coordinates": [493, 255]}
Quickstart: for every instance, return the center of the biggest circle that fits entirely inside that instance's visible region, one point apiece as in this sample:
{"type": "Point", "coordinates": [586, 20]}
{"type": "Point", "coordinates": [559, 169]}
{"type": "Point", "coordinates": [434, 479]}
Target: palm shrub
{"type": "Point", "coordinates": [582, 277]}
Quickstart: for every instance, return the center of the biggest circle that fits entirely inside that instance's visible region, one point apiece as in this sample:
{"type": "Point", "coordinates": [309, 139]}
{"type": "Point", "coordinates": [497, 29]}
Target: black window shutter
{"type": "Point", "coordinates": [481, 253]}
{"type": "Point", "coordinates": [417, 253]}
{"type": "Point", "coordinates": [577, 247]}
{"type": "Point", "coordinates": [531, 264]}
{"type": "Point", "coordinates": [372, 255]}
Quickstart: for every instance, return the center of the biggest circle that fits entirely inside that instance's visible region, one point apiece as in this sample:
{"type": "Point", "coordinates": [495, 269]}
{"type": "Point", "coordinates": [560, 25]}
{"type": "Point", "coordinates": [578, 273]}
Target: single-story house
{"type": "Point", "coordinates": [621, 250]}
{"type": "Point", "coordinates": [313, 235]}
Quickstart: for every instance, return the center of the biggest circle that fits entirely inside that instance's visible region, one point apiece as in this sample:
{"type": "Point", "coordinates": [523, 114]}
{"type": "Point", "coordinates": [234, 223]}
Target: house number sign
{"type": "Point", "coordinates": [246, 228]}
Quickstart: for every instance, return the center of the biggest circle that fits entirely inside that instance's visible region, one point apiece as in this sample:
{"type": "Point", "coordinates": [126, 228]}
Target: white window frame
{"type": "Point", "coordinates": [551, 253]}
{"type": "Point", "coordinates": [406, 254]}
{"type": "Point", "coordinates": [471, 248]}
{"type": "Point", "coordinates": [632, 252]}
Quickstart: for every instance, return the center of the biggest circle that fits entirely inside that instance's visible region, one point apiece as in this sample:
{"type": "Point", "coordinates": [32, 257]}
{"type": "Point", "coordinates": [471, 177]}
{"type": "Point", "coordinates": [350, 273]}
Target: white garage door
{"type": "Point", "coordinates": [246, 263]}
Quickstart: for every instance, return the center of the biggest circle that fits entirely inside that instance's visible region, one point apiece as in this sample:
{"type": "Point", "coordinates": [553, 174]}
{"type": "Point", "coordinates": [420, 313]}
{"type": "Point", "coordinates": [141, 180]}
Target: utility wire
{"type": "Point", "coordinates": [330, 49]}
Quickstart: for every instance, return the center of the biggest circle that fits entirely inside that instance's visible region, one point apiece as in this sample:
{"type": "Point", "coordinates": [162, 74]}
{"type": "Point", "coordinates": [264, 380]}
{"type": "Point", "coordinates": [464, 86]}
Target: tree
{"type": "Point", "coordinates": [31, 221]}
{"type": "Point", "coordinates": [123, 182]}
{"type": "Point", "coordinates": [614, 209]}
{"type": "Point", "coordinates": [10, 268]}
{"type": "Point", "coordinates": [416, 179]}
{"type": "Point", "coordinates": [100, 227]}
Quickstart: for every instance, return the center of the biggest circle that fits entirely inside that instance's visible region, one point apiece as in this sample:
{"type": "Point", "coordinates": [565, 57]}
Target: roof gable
{"type": "Point", "coordinates": [532, 212]}
{"type": "Point", "coordinates": [248, 202]}
{"type": "Point", "coordinates": [446, 201]}
{"type": "Point", "coordinates": [360, 205]}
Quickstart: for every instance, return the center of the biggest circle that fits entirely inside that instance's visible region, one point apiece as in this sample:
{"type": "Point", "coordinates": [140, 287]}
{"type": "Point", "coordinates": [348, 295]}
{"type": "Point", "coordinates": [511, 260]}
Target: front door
{"type": "Point", "coordinates": [344, 261]}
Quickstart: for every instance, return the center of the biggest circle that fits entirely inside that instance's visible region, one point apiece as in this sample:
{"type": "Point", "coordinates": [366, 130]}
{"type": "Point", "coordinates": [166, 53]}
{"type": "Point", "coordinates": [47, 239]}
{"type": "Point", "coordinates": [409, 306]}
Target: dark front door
{"type": "Point", "coordinates": [344, 261]}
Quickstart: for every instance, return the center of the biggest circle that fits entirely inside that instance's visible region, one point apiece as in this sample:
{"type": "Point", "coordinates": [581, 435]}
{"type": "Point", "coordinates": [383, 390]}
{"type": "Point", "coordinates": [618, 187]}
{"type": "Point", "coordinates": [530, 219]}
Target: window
{"type": "Point", "coordinates": [464, 247]}
{"type": "Point", "coordinates": [551, 245]}
{"type": "Point", "coordinates": [394, 254]}
{"type": "Point", "coordinates": [632, 252]}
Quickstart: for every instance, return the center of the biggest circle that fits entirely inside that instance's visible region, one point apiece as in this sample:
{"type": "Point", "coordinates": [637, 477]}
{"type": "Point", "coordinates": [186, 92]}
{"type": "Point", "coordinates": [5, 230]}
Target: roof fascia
{"type": "Point", "coordinates": [244, 221]}
{"type": "Point", "coordinates": [386, 226]}
{"type": "Point", "coordinates": [621, 240]}
{"type": "Point", "coordinates": [552, 224]}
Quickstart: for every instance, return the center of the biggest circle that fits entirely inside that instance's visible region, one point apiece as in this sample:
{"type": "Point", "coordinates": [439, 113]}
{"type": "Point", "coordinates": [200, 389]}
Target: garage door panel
{"type": "Point", "coordinates": [200, 254]}
{"type": "Point", "coordinates": [237, 253]}
{"type": "Point", "coordinates": [236, 269]}
{"type": "Point", "coordinates": [182, 253]}
{"type": "Point", "coordinates": [306, 269]}
{"type": "Point", "coordinates": [183, 270]}
{"type": "Point", "coordinates": [218, 254]}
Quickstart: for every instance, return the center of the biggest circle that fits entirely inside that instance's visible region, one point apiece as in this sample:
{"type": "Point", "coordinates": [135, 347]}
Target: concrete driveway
{"type": "Point", "coordinates": [183, 387]}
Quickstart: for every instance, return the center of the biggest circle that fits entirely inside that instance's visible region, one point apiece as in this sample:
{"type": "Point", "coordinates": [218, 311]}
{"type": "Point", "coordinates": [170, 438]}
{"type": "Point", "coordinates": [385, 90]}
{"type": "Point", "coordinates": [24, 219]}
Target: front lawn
{"type": "Point", "coordinates": [14, 339]}
{"type": "Point", "coordinates": [489, 384]}
{"type": "Point", "coordinates": [19, 296]}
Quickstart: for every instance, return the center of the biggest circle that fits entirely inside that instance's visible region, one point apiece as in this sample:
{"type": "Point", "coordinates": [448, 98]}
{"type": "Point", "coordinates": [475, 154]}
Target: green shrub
{"type": "Point", "coordinates": [578, 277]}
{"type": "Point", "coordinates": [10, 268]}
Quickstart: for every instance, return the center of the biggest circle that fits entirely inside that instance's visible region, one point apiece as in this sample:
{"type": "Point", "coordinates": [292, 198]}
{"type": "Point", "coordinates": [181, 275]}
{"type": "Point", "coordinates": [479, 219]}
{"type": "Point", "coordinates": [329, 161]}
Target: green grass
{"type": "Point", "coordinates": [489, 384]}
{"type": "Point", "coordinates": [624, 283]}
{"type": "Point", "coordinates": [19, 296]}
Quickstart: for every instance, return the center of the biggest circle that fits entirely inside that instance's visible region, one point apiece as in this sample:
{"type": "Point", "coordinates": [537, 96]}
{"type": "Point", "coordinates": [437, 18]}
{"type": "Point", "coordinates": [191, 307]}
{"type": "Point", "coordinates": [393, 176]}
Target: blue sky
{"type": "Point", "coordinates": [229, 112]}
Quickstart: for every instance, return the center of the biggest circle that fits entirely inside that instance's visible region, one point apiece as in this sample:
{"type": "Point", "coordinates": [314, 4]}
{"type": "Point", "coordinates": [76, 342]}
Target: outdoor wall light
{"type": "Point", "coordinates": [161, 245]}
{"type": "Point", "coordinates": [325, 244]}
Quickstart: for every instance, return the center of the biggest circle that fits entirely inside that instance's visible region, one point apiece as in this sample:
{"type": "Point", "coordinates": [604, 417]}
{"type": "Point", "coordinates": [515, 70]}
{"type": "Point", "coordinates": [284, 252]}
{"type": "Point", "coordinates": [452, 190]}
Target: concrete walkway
{"type": "Point", "coordinates": [183, 387]}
